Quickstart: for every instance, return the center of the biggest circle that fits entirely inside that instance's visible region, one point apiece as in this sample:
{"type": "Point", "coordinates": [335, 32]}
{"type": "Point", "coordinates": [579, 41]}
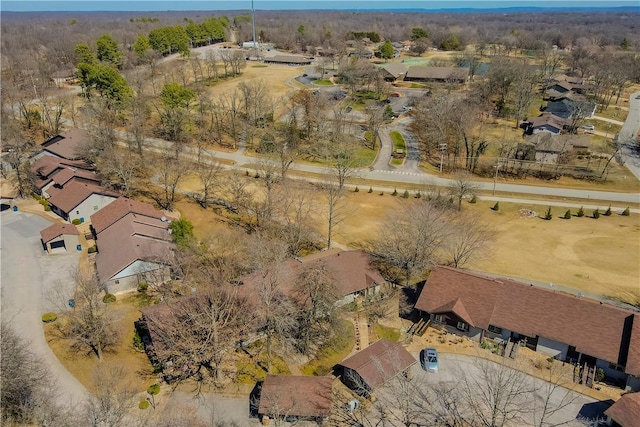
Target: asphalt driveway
{"type": "Point", "coordinates": [26, 280]}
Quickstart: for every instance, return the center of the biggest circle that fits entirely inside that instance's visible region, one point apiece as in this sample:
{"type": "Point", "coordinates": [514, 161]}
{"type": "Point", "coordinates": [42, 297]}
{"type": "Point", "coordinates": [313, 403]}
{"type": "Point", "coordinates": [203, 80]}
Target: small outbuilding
{"type": "Point", "coordinates": [59, 238]}
{"type": "Point", "coordinates": [370, 368]}
{"type": "Point", "coordinates": [296, 396]}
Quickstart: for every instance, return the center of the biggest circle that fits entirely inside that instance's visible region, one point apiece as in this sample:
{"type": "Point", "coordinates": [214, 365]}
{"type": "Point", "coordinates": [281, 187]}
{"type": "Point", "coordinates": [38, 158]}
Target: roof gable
{"type": "Point", "coordinates": [56, 230]}
{"type": "Point", "coordinates": [115, 211]}
{"type": "Point", "coordinates": [67, 145]}
{"type": "Point", "coordinates": [532, 310]}
{"type": "Point", "coordinates": [301, 396]}
{"type": "Point", "coordinates": [380, 362]}
{"type": "Point", "coordinates": [74, 193]}
{"type": "Point", "coordinates": [626, 411]}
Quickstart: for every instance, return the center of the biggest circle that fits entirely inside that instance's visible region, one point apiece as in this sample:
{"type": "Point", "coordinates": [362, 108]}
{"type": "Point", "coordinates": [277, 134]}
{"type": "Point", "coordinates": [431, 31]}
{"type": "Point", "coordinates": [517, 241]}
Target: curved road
{"type": "Point", "coordinates": [629, 133]}
{"type": "Point", "coordinates": [26, 274]}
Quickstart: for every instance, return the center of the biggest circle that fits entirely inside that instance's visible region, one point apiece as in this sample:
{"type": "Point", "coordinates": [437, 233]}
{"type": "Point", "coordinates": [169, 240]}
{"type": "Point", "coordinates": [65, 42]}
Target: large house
{"type": "Point", "coordinates": [422, 73]}
{"type": "Point", "coordinates": [51, 170]}
{"type": "Point", "coordinates": [394, 71]}
{"type": "Point", "coordinates": [66, 145]}
{"type": "Point", "coordinates": [287, 60]}
{"type": "Point", "coordinates": [566, 327]}
{"type": "Point", "coordinates": [373, 366]}
{"type": "Point", "coordinates": [546, 122]}
{"type": "Point", "coordinates": [349, 271]}
{"type": "Point", "coordinates": [134, 246]}
{"type": "Point", "coordinates": [302, 397]}
{"type": "Point", "coordinates": [79, 200]}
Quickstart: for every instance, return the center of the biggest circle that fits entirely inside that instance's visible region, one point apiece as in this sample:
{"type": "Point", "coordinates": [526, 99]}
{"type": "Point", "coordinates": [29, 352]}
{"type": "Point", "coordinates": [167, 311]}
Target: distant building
{"type": "Point", "coordinates": [421, 73]}
{"type": "Point", "coordinates": [287, 60]}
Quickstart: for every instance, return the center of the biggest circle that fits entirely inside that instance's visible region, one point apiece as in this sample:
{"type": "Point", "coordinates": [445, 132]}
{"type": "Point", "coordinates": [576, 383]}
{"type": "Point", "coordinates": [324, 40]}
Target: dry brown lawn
{"type": "Point", "coordinates": [598, 256]}
{"type": "Point", "coordinates": [134, 364]}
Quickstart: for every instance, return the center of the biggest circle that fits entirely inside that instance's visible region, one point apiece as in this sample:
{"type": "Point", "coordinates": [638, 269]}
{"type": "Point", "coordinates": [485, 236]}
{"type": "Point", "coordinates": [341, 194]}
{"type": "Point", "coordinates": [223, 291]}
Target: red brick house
{"type": "Point", "coordinates": [564, 326]}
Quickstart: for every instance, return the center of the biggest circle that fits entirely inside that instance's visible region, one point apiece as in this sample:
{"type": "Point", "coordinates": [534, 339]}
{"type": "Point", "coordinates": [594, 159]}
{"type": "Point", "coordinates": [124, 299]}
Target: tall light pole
{"type": "Point", "coordinates": [253, 25]}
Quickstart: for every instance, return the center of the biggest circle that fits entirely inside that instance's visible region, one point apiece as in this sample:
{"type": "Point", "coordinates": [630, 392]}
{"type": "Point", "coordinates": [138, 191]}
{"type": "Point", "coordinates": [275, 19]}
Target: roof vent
{"type": "Point", "coordinates": [580, 294]}
{"type": "Point", "coordinates": [163, 219]}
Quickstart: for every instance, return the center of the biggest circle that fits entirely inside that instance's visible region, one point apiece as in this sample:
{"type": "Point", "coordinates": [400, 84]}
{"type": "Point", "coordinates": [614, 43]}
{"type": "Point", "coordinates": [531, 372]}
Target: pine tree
{"type": "Point", "coordinates": [580, 212]}
{"type": "Point", "coordinates": [548, 215]}
{"type": "Point", "coordinates": [496, 207]}
{"type": "Point", "coordinates": [567, 214]}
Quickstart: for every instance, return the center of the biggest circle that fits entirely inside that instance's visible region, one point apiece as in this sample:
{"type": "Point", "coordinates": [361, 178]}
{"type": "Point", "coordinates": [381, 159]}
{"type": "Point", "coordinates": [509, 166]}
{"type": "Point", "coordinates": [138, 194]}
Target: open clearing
{"type": "Point", "coordinates": [596, 256]}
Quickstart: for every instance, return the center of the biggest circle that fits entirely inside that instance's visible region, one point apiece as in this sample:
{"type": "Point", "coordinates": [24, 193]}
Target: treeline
{"type": "Point", "coordinates": [168, 40]}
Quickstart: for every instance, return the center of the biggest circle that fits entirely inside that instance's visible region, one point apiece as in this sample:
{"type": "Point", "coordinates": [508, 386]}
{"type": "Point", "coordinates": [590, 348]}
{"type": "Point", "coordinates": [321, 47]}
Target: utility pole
{"type": "Point", "coordinates": [443, 148]}
{"type": "Point", "coordinates": [495, 177]}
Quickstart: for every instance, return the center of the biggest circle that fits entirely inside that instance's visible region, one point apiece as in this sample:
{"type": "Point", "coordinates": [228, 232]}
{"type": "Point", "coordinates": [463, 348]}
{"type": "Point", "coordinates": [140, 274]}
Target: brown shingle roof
{"type": "Point", "coordinates": [350, 271]}
{"type": "Point", "coordinates": [437, 73]}
{"type": "Point", "coordinates": [67, 144]}
{"type": "Point", "coordinates": [108, 215]}
{"type": "Point", "coordinates": [548, 119]}
{"type": "Point", "coordinates": [63, 176]}
{"type": "Point", "coordinates": [56, 230]}
{"type": "Point", "coordinates": [593, 327]}
{"type": "Point", "coordinates": [130, 239]}
{"type": "Point", "coordinates": [74, 193]}
{"type": "Point", "coordinates": [288, 59]}
{"type": "Point", "coordinates": [300, 396]}
{"type": "Point", "coordinates": [626, 411]}
{"type": "Point", "coordinates": [46, 166]}
{"type": "Point", "coordinates": [380, 362]}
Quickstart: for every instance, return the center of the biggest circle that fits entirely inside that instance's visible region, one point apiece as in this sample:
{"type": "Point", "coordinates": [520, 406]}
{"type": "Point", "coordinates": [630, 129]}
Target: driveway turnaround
{"type": "Point", "coordinates": [27, 279]}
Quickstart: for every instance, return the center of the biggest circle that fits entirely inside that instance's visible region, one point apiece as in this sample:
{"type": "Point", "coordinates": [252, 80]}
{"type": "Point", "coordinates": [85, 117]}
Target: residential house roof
{"type": "Point", "coordinates": [56, 230]}
{"type": "Point", "coordinates": [67, 145]}
{"type": "Point", "coordinates": [288, 59]}
{"type": "Point", "coordinates": [296, 395]}
{"type": "Point", "coordinates": [535, 311]}
{"type": "Point", "coordinates": [46, 166]}
{"type": "Point", "coordinates": [63, 176]}
{"type": "Point", "coordinates": [437, 73]}
{"type": "Point", "coordinates": [626, 411]}
{"type": "Point", "coordinates": [380, 362]}
{"type": "Point", "coordinates": [567, 107]}
{"type": "Point", "coordinates": [350, 272]}
{"type": "Point", "coordinates": [130, 239]}
{"type": "Point", "coordinates": [74, 193]}
{"type": "Point", "coordinates": [113, 212]}
{"type": "Point", "coordinates": [548, 119]}
{"type": "Point", "coordinates": [550, 143]}
{"type": "Point", "coordinates": [395, 69]}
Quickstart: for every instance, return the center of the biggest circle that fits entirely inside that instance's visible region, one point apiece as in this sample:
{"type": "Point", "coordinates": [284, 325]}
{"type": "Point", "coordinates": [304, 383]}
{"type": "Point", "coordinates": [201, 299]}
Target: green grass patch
{"type": "Point", "coordinates": [384, 332]}
{"type": "Point", "coordinates": [252, 370]}
{"type": "Point", "coordinates": [323, 82]}
{"type": "Point", "coordinates": [398, 141]}
{"type": "Point", "coordinates": [365, 156]}
{"type": "Point", "coordinates": [416, 86]}
{"type": "Point", "coordinates": [336, 350]}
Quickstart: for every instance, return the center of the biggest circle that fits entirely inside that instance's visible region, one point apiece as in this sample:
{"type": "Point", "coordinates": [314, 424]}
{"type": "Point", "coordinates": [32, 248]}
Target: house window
{"type": "Point", "coordinates": [77, 212]}
{"type": "Point", "coordinates": [439, 318]}
{"type": "Point", "coordinates": [95, 207]}
{"type": "Point", "coordinates": [495, 329]}
{"type": "Point", "coordinates": [463, 326]}
{"type": "Point", "coordinates": [616, 367]}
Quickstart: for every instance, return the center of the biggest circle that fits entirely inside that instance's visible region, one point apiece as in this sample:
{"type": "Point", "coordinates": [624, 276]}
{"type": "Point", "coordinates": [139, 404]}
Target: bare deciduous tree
{"type": "Point", "coordinates": [113, 401]}
{"type": "Point", "coordinates": [462, 186]}
{"type": "Point", "coordinates": [469, 239]}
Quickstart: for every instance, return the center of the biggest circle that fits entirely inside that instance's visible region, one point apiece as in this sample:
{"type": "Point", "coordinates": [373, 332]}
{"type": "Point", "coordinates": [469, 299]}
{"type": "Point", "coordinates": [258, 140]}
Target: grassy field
{"type": "Point", "coordinates": [398, 144]}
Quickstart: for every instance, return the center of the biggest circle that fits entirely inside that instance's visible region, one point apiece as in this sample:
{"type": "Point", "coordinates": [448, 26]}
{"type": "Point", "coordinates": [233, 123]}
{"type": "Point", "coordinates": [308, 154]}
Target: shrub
{"type": "Point", "coordinates": [599, 375]}
{"type": "Point", "coordinates": [356, 190]}
{"type": "Point", "coordinates": [144, 404]}
{"type": "Point", "coordinates": [608, 211]}
{"type": "Point", "coordinates": [596, 214]}
{"type": "Point", "coordinates": [395, 192]}
{"type": "Point", "coordinates": [143, 286]}
{"type": "Point", "coordinates": [154, 389]}
{"type": "Point", "coordinates": [580, 212]}
{"type": "Point", "coordinates": [548, 215]}
{"type": "Point", "coordinates": [92, 249]}
{"type": "Point", "coordinates": [484, 344]}
{"type": "Point", "coordinates": [47, 208]}
{"type": "Point", "coordinates": [137, 340]}
{"type": "Point", "coordinates": [496, 207]}
{"type": "Point", "coordinates": [567, 214]}
{"type": "Point", "coordinates": [418, 195]}
{"type": "Point", "coordinates": [625, 212]}
{"type": "Point", "coordinates": [181, 231]}
{"type": "Point", "coordinates": [49, 317]}
{"type": "Point", "coordinates": [108, 298]}
{"type": "Point", "coordinates": [405, 195]}
{"type": "Point", "coordinates": [473, 199]}
{"type": "Point", "coordinates": [550, 359]}
{"type": "Point", "coordinates": [76, 221]}
{"type": "Point", "coordinates": [382, 193]}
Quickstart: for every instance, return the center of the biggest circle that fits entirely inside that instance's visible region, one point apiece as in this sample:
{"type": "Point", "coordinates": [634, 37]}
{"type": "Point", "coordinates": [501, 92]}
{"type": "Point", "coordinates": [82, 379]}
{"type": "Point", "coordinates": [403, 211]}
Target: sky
{"type": "Point", "coordinates": [154, 5]}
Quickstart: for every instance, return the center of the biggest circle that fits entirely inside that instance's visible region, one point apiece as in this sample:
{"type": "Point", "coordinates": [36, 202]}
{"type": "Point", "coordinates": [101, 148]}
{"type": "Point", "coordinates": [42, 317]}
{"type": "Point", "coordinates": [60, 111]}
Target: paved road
{"type": "Point", "coordinates": [629, 133]}
{"type": "Point", "coordinates": [453, 367]}
{"type": "Point", "coordinates": [25, 277]}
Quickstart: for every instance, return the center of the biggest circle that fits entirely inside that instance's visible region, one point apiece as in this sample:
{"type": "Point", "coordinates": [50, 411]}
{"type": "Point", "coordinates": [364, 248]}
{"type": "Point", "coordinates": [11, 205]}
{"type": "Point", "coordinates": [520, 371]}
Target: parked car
{"type": "Point", "coordinates": [588, 127]}
{"type": "Point", "coordinates": [429, 359]}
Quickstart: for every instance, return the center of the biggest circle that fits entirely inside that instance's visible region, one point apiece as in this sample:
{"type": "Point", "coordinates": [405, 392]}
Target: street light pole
{"type": "Point", "coordinates": [495, 177]}
{"type": "Point", "coordinates": [443, 148]}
